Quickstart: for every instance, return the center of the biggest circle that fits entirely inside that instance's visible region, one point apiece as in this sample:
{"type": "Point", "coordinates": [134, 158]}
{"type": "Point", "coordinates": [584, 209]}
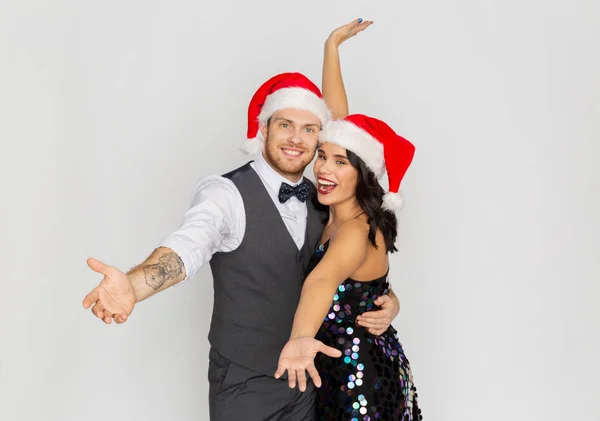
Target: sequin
{"type": "Point", "coordinates": [373, 381]}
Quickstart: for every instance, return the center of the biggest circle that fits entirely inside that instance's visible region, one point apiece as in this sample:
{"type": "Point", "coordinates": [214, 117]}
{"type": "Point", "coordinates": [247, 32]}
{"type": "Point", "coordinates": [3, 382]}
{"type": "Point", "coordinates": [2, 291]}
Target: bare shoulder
{"type": "Point", "coordinates": [349, 247]}
{"type": "Point", "coordinates": [355, 229]}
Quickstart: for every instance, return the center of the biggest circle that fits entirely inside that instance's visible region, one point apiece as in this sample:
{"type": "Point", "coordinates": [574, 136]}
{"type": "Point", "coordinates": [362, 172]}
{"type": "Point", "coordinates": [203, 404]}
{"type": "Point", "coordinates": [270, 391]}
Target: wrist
{"type": "Point", "coordinates": [141, 290]}
{"type": "Point", "coordinates": [332, 44]}
{"type": "Point", "coordinates": [136, 293]}
{"type": "Point", "coordinates": [300, 335]}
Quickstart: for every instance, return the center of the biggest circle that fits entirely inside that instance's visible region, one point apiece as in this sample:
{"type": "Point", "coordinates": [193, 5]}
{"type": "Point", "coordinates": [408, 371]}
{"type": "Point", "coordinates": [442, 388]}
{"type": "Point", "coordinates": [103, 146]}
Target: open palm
{"type": "Point", "coordinates": [114, 297]}
{"type": "Point", "coordinates": [298, 357]}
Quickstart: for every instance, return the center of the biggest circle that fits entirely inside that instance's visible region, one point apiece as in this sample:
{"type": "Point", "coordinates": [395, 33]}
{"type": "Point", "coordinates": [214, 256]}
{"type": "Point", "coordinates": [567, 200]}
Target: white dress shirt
{"type": "Point", "coordinates": [216, 220]}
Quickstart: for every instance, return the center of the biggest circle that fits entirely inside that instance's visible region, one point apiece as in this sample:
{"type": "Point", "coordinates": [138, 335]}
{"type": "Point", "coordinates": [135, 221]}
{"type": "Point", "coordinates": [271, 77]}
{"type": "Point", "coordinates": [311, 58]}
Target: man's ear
{"type": "Point", "coordinates": [264, 130]}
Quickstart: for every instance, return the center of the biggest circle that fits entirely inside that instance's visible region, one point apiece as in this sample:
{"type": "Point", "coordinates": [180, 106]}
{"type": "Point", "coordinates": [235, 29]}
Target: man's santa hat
{"type": "Point", "coordinates": [381, 149]}
{"type": "Point", "coordinates": [286, 90]}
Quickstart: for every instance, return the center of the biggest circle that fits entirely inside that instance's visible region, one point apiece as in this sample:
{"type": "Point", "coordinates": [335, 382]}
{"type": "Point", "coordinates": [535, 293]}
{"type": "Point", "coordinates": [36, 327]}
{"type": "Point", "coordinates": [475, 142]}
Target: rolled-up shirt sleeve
{"type": "Point", "coordinates": [215, 222]}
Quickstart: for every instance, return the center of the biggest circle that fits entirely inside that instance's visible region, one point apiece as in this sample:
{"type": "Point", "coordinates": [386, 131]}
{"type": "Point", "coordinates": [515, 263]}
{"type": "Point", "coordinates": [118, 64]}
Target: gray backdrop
{"type": "Point", "coordinates": [112, 110]}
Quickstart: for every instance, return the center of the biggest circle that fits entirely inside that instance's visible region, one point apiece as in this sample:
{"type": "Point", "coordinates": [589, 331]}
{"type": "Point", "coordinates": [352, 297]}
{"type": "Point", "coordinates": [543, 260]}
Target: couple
{"type": "Point", "coordinates": [278, 256]}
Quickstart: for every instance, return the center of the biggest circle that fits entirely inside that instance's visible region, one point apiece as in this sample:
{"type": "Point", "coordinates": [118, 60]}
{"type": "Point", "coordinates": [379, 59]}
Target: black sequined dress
{"type": "Point", "coordinates": [372, 380]}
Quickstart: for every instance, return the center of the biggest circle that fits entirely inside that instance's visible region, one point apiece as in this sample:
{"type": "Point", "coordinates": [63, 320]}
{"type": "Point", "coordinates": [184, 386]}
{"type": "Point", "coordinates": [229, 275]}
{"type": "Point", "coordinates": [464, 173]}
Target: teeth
{"type": "Point", "coordinates": [326, 183]}
{"type": "Point", "coordinates": [291, 152]}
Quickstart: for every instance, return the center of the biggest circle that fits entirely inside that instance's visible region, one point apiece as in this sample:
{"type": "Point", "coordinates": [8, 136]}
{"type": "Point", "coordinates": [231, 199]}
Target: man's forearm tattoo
{"type": "Point", "coordinates": [169, 267]}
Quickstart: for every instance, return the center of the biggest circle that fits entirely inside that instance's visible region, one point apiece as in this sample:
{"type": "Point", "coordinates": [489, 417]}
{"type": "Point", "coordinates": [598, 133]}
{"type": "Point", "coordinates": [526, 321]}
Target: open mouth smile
{"type": "Point", "coordinates": [325, 186]}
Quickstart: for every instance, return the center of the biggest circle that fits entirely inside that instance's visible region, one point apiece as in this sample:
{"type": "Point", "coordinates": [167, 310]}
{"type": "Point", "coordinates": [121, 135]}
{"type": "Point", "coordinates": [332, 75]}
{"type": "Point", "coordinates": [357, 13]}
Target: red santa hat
{"type": "Point", "coordinates": [378, 146]}
{"type": "Point", "coordinates": [286, 90]}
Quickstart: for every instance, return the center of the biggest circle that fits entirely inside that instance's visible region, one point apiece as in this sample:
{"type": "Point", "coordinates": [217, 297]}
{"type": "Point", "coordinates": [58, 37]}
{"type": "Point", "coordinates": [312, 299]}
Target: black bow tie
{"type": "Point", "coordinates": [301, 191]}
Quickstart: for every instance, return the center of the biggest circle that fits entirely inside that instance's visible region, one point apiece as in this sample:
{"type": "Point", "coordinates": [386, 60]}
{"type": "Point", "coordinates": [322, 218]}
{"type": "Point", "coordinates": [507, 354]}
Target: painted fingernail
{"type": "Point", "coordinates": [359, 20]}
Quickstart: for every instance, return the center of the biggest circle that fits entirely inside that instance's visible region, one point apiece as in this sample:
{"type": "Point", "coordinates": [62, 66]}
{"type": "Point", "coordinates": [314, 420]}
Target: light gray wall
{"type": "Point", "coordinates": [112, 110]}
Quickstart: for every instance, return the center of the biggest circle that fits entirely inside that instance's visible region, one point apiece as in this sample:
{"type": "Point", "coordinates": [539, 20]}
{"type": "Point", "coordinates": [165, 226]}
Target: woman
{"type": "Point", "coordinates": [372, 378]}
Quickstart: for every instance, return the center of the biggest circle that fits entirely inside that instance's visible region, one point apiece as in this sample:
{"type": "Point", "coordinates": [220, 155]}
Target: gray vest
{"type": "Point", "coordinates": [257, 286]}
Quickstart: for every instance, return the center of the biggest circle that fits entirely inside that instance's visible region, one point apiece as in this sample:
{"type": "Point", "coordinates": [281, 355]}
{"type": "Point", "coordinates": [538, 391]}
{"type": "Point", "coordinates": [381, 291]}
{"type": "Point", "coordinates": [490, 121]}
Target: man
{"type": "Point", "coordinates": [257, 226]}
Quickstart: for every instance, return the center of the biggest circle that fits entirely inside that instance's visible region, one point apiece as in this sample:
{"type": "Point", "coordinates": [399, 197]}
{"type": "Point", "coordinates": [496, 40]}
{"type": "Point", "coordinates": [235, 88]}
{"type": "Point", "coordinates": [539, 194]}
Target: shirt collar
{"type": "Point", "coordinates": [271, 177]}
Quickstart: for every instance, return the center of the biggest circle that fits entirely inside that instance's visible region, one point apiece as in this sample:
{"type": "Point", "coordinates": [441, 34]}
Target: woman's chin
{"type": "Point", "coordinates": [323, 199]}
{"type": "Point", "coordinates": [326, 199]}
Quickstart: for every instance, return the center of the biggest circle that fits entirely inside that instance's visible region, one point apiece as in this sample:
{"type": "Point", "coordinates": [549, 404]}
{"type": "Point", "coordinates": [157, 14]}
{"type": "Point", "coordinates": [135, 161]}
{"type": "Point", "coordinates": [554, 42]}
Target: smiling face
{"type": "Point", "coordinates": [291, 141]}
{"type": "Point", "coordinates": [335, 175]}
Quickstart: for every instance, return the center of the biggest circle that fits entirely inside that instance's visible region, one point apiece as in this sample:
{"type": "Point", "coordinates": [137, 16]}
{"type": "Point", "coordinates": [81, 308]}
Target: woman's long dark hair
{"type": "Point", "coordinates": [369, 195]}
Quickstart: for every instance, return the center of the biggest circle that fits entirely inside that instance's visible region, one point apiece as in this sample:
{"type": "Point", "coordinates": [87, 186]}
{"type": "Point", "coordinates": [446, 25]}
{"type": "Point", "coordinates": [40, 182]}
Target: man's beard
{"type": "Point", "coordinates": [284, 167]}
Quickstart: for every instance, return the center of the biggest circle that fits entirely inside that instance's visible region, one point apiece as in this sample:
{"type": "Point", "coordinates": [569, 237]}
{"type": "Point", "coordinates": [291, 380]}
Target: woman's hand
{"type": "Point", "coordinates": [298, 357]}
{"type": "Point", "coordinates": [347, 31]}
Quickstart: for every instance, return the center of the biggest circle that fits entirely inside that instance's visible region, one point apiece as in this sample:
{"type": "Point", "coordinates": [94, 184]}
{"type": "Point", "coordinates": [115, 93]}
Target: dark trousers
{"type": "Point", "coordinates": [237, 393]}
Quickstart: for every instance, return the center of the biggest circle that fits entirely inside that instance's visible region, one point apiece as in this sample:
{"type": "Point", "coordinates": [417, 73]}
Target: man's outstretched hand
{"type": "Point", "coordinates": [114, 297]}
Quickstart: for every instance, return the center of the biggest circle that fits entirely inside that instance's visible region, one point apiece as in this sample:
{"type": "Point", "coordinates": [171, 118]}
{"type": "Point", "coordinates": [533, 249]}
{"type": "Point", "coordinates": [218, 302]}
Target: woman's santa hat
{"type": "Point", "coordinates": [378, 146]}
{"type": "Point", "coordinates": [286, 90]}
